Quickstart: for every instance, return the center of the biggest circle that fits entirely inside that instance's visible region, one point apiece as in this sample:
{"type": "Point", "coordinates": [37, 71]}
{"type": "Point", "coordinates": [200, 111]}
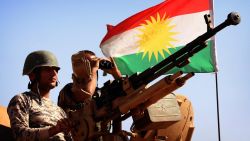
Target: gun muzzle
{"type": "Point", "coordinates": [233, 18]}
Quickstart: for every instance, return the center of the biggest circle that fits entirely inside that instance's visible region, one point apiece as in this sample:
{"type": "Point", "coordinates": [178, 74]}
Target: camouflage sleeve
{"type": "Point", "coordinates": [61, 99]}
{"type": "Point", "coordinates": [18, 111]}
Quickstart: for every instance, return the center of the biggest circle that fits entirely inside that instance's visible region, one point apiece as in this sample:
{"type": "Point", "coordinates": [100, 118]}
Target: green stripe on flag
{"type": "Point", "coordinates": [201, 62]}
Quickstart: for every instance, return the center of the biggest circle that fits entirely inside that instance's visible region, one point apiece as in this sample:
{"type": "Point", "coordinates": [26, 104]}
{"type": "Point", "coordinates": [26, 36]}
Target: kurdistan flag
{"type": "Point", "coordinates": [149, 36]}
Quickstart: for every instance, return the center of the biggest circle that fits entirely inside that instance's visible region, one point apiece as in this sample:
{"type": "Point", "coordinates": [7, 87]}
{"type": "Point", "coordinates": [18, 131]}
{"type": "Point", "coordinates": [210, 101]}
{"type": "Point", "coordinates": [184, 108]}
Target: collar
{"type": "Point", "coordinates": [35, 96]}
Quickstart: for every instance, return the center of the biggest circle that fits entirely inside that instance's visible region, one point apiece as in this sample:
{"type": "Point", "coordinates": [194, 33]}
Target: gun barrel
{"type": "Point", "coordinates": [174, 76]}
{"type": "Point", "coordinates": [147, 93]}
{"type": "Point", "coordinates": [179, 82]}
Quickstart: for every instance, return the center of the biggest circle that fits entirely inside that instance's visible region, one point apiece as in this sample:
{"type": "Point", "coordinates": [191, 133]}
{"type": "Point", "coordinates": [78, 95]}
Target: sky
{"type": "Point", "coordinates": [65, 27]}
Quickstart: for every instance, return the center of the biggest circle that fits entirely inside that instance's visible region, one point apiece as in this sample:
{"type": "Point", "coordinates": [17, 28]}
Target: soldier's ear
{"type": "Point", "coordinates": [32, 76]}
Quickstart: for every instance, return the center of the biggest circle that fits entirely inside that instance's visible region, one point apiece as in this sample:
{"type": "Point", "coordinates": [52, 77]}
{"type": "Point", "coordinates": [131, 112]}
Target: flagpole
{"type": "Point", "coordinates": [217, 104]}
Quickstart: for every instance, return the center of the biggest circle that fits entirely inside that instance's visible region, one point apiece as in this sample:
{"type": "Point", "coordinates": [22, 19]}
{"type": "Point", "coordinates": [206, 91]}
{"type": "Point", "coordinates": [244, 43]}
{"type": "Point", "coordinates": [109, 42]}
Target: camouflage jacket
{"type": "Point", "coordinates": [79, 112]}
{"type": "Point", "coordinates": [31, 117]}
{"type": "Point", "coordinates": [65, 99]}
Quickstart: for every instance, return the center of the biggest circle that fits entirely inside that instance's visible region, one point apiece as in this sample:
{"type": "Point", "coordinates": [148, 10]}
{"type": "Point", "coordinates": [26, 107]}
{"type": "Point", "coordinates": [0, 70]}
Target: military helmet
{"type": "Point", "coordinates": [38, 59]}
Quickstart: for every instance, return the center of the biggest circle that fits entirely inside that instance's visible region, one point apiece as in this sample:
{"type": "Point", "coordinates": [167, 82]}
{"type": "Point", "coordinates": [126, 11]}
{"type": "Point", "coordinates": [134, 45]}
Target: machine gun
{"type": "Point", "coordinates": [128, 96]}
{"type": "Point", "coordinates": [130, 87]}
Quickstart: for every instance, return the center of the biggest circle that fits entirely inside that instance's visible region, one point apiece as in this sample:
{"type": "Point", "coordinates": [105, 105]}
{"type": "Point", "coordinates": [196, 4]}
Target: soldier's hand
{"type": "Point", "coordinates": [87, 66]}
{"type": "Point", "coordinates": [82, 68]}
{"type": "Point", "coordinates": [63, 125]}
{"type": "Point", "coordinates": [94, 62]}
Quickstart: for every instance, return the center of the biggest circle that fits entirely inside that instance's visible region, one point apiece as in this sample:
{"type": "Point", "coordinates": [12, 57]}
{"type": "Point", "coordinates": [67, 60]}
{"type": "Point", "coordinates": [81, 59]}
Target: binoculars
{"type": "Point", "coordinates": [105, 64]}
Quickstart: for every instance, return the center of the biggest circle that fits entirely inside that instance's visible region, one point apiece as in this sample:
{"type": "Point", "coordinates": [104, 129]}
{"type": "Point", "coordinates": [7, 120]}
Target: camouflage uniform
{"type": "Point", "coordinates": [31, 117]}
{"type": "Point", "coordinates": [81, 113]}
{"type": "Point", "coordinates": [65, 99]}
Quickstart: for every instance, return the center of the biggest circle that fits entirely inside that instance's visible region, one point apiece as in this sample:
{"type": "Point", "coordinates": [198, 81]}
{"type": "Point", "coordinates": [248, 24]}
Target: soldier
{"type": "Point", "coordinates": [33, 116]}
{"type": "Point", "coordinates": [76, 98]}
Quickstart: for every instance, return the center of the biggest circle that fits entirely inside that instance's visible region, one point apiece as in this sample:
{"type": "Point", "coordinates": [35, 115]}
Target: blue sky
{"type": "Point", "coordinates": [65, 27]}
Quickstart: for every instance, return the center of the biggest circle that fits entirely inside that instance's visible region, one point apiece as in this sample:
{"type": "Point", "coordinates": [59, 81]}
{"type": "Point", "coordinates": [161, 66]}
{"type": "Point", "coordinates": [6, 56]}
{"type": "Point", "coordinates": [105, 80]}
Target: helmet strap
{"type": "Point", "coordinates": [29, 85]}
{"type": "Point", "coordinates": [35, 78]}
{"type": "Point", "coordinates": [57, 82]}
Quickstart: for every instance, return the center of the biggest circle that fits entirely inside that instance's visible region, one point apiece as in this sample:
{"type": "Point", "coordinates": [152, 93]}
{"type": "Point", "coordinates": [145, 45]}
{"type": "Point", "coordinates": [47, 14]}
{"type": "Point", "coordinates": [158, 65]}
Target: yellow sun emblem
{"type": "Point", "coordinates": [156, 37]}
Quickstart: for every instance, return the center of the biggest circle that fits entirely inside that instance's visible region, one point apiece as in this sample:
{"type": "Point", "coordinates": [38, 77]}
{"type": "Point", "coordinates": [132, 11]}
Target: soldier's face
{"type": "Point", "coordinates": [48, 77]}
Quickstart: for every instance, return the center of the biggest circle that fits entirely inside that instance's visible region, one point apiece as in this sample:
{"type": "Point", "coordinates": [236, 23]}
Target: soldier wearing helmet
{"type": "Point", "coordinates": [33, 115]}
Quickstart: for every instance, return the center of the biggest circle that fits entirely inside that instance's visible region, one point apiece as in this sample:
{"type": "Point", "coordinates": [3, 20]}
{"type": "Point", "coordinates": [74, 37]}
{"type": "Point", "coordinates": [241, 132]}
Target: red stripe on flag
{"type": "Point", "coordinates": [172, 8]}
